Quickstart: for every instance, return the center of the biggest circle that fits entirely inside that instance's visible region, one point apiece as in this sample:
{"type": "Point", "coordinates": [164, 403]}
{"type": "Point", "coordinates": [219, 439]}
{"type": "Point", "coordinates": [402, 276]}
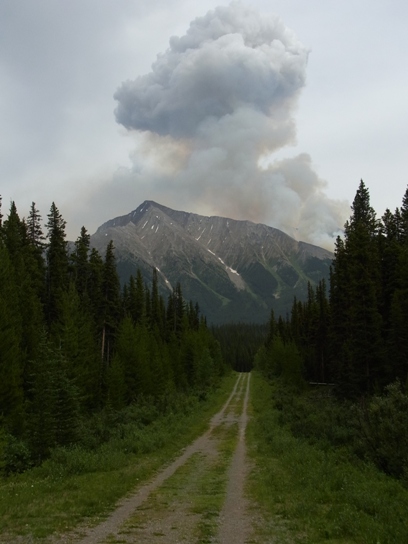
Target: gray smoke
{"type": "Point", "coordinates": [217, 102]}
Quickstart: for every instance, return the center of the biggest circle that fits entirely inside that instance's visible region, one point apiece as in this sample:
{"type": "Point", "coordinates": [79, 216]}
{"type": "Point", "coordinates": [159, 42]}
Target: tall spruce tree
{"type": "Point", "coordinates": [57, 263]}
{"type": "Point", "coordinates": [111, 303]}
{"type": "Point", "coordinates": [37, 246]}
{"type": "Point", "coordinates": [28, 275]}
{"type": "Point", "coordinates": [80, 263]}
{"type": "Point", "coordinates": [357, 324]}
{"type": "Point", "coordinates": [54, 406]}
{"type": "Point", "coordinates": [11, 355]}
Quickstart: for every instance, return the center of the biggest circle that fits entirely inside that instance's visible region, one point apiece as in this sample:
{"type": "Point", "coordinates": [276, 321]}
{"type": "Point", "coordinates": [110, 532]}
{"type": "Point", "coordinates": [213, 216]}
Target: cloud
{"type": "Point", "coordinates": [215, 103]}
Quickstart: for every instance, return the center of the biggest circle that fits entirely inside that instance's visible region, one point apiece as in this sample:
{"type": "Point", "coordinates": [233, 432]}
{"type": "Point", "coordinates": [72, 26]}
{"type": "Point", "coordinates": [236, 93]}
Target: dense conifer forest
{"type": "Point", "coordinates": [77, 351]}
{"type": "Point", "coordinates": [75, 346]}
{"type": "Point", "coordinates": [343, 353]}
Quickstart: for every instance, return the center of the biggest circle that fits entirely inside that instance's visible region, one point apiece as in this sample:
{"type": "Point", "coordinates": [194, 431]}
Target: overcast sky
{"type": "Point", "coordinates": [245, 114]}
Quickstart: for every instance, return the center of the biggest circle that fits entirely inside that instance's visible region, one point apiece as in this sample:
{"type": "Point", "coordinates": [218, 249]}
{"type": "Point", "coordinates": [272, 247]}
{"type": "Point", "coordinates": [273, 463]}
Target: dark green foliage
{"type": "Point", "coordinates": [352, 346]}
{"type": "Point", "coordinates": [239, 343]}
{"type": "Point", "coordinates": [11, 355]}
{"type": "Point", "coordinates": [74, 334]}
{"type": "Point", "coordinates": [80, 263]}
{"type": "Point", "coordinates": [383, 430]}
{"type": "Point", "coordinates": [359, 362]}
{"type": "Point", "coordinates": [53, 413]}
{"type": "Point", "coordinates": [358, 338]}
{"type": "Point", "coordinates": [57, 263]}
{"type": "Point", "coordinates": [111, 304]}
{"type": "Point", "coordinates": [135, 298]}
{"type": "Point", "coordinates": [71, 346]}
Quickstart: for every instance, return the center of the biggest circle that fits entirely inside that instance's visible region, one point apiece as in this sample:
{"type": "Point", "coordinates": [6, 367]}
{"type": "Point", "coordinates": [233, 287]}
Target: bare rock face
{"type": "Point", "coordinates": [235, 270]}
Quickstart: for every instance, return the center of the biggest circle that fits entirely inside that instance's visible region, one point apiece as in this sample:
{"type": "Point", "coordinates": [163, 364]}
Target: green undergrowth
{"type": "Point", "coordinates": [310, 494]}
{"type": "Point", "coordinates": [81, 484]}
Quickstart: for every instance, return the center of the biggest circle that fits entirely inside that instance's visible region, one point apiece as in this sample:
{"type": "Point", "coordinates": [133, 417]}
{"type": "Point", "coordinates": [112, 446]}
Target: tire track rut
{"type": "Point", "coordinates": [199, 497]}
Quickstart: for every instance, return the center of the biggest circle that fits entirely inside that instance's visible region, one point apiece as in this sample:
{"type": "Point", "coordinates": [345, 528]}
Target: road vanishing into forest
{"type": "Point", "coordinates": [199, 497]}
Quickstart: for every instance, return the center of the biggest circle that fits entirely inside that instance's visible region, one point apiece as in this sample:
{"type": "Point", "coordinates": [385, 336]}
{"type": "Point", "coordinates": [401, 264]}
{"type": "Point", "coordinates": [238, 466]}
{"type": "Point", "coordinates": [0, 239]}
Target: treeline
{"type": "Point", "coordinates": [240, 343]}
{"type": "Point", "coordinates": [73, 343]}
{"type": "Point", "coordinates": [353, 333]}
{"type": "Point", "coordinates": [344, 349]}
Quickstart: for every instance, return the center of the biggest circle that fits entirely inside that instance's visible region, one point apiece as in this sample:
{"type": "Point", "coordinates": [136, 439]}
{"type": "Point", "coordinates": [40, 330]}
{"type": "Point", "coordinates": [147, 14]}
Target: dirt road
{"type": "Point", "coordinates": [197, 498]}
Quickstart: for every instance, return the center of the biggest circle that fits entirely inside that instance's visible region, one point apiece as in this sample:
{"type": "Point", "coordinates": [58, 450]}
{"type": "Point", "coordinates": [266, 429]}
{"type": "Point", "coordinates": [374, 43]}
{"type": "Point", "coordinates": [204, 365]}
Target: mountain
{"type": "Point", "coordinates": [235, 270]}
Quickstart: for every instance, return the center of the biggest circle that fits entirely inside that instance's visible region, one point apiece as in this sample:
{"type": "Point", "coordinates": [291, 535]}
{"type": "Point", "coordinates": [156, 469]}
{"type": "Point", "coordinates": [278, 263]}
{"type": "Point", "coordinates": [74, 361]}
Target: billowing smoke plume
{"type": "Point", "coordinates": [217, 102]}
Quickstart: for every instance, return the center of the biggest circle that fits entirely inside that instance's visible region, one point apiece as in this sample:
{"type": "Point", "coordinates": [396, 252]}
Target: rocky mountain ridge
{"type": "Point", "coordinates": [235, 270]}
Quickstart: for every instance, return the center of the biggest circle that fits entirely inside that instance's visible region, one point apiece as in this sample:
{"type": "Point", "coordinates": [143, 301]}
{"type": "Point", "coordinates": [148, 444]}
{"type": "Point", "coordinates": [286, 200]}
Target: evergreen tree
{"type": "Point", "coordinates": [80, 263]}
{"type": "Point", "coordinates": [57, 263]}
{"type": "Point", "coordinates": [34, 229]}
{"type": "Point", "coordinates": [28, 275]}
{"type": "Point", "coordinates": [95, 289]}
{"type": "Point", "coordinates": [54, 407]}
{"type": "Point", "coordinates": [116, 384]}
{"type": "Point", "coordinates": [11, 355]}
{"type": "Point", "coordinates": [135, 298]}
{"type": "Point", "coordinates": [36, 240]}
{"type": "Point", "coordinates": [74, 334]}
{"type": "Point", "coordinates": [157, 307]}
{"type": "Point", "coordinates": [126, 359]}
{"type": "Point", "coordinates": [354, 296]}
{"type": "Point", "coordinates": [111, 303]}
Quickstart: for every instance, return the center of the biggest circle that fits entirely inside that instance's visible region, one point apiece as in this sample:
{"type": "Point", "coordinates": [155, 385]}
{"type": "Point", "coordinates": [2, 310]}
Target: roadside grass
{"type": "Point", "coordinates": [311, 495]}
{"type": "Point", "coordinates": [78, 485]}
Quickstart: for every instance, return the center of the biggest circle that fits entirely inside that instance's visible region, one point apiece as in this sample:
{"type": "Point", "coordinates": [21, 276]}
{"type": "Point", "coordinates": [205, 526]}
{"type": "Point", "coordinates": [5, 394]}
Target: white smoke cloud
{"type": "Point", "coordinates": [217, 101]}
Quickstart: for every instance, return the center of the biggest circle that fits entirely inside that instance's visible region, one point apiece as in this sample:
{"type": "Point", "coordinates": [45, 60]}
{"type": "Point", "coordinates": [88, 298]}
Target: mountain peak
{"type": "Point", "coordinates": [235, 270]}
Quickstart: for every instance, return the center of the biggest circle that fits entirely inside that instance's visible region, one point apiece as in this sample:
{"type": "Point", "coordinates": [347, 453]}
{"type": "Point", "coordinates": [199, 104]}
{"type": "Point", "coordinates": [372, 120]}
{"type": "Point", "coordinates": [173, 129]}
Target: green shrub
{"type": "Point", "coordinates": [383, 430]}
{"type": "Point", "coordinates": [16, 455]}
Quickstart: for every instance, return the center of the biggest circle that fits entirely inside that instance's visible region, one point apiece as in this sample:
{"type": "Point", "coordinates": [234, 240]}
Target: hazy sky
{"type": "Point", "coordinates": [268, 111]}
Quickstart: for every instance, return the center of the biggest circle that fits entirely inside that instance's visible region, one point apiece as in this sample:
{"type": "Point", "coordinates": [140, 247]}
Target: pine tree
{"type": "Point", "coordinates": [34, 229]}
{"type": "Point", "coordinates": [11, 355]}
{"type": "Point", "coordinates": [404, 218]}
{"type": "Point", "coordinates": [136, 298]}
{"type": "Point", "coordinates": [80, 263]}
{"type": "Point", "coordinates": [57, 263]}
{"type": "Point", "coordinates": [157, 309]}
{"type": "Point", "coordinates": [36, 240]}
{"type": "Point", "coordinates": [54, 406]}
{"type": "Point", "coordinates": [111, 303]}
{"type": "Point", "coordinates": [74, 334]}
{"type": "Point", "coordinates": [126, 355]}
{"type": "Point", "coordinates": [28, 275]}
{"type": "Point", "coordinates": [116, 384]}
{"type": "Point", "coordinates": [356, 320]}
{"type": "Point", "coordinates": [95, 289]}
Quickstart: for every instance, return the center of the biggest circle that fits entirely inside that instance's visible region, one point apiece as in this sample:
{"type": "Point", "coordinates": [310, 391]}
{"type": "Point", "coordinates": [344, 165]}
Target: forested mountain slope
{"type": "Point", "coordinates": [235, 270]}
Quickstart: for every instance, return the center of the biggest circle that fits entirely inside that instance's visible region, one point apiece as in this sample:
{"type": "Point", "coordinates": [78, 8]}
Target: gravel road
{"type": "Point", "coordinates": [198, 498]}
